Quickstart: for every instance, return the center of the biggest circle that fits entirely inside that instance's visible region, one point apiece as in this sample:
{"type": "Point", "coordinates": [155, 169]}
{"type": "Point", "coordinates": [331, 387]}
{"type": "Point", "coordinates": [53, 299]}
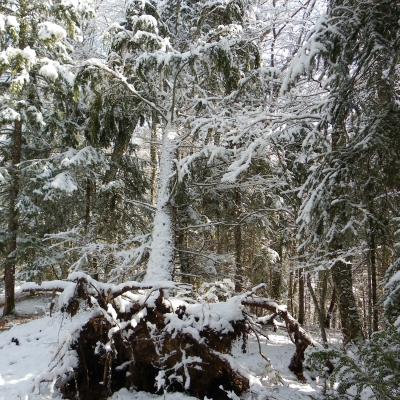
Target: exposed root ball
{"type": "Point", "coordinates": [148, 356]}
{"type": "Point", "coordinates": [147, 342]}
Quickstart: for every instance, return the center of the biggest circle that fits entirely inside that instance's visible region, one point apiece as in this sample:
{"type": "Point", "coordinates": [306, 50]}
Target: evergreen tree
{"type": "Point", "coordinates": [357, 122]}
{"type": "Point", "coordinates": [34, 46]}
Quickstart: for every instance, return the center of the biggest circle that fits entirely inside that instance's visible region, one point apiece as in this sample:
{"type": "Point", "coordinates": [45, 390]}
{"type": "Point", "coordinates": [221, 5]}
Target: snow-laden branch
{"type": "Point", "coordinates": [93, 62]}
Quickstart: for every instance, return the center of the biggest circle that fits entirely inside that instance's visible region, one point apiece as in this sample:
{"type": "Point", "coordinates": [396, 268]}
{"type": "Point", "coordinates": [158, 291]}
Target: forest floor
{"type": "Point", "coordinates": [27, 349]}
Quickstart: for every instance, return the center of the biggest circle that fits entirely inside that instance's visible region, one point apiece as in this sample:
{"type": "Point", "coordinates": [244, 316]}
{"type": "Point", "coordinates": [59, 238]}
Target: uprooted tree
{"type": "Point", "coordinates": [146, 337]}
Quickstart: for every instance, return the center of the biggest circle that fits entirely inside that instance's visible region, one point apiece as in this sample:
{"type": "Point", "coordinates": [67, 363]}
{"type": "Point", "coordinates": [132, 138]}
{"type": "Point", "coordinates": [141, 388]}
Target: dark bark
{"type": "Point", "coordinates": [369, 299]}
{"type": "Point", "coordinates": [277, 270]}
{"type": "Point", "coordinates": [144, 354]}
{"type": "Point", "coordinates": [88, 205]}
{"type": "Point", "coordinates": [323, 276]}
{"type": "Point", "coordinates": [331, 309]}
{"type": "Point", "coordinates": [139, 354]}
{"type": "Point", "coordinates": [239, 270]}
{"type": "Point", "coordinates": [184, 260]}
{"type": "Point", "coordinates": [13, 221]}
{"type": "Point", "coordinates": [153, 160]}
{"type": "Point", "coordinates": [318, 310]}
{"type": "Point", "coordinates": [291, 292]}
{"type": "Point", "coordinates": [301, 312]}
{"type": "Point", "coordinates": [343, 281]}
{"type": "Point", "coordinates": [120, 147]}
{"type": "Point", "coordinates": [372, 261]}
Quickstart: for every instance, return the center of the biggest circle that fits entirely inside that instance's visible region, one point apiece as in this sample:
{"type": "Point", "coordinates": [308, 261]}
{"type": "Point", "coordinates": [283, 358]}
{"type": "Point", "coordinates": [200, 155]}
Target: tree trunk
{"type": "Point", "coordinates": [277, 271]}
{"type": "Point", "coordinates": [153, 160]}
{"type": "Point", "coordinates": [239, 272]}
{"type": "Point", "coordinates": [341, 271]}
{"type": "Point", "coordinates": [369, 300]}
{"type": "Point", "coordinates": [331, 309]}
{"type": "Point", "coordinates": [181, 217]}
{"type": "Point", "coordinates": [323, 276]}
{"type": "Point", "coordinates": [13, 222]}
{"type": "Point", "coordinates": [318, 309]}
{"type": "Point", "coordinates": [88, 205]}
{"type": "Point", "coordinates": [301, 313]}
{"type": "Point", "coordinates": [343, 281]}
{"type": "Point", "coordinates": [161, 261]}
{"type": "Point", "coordinates": [121, 145]}
{"type": "Point", "coordinates": [291, 292]}
{"type": "Point", "coordinates": [372, 261]}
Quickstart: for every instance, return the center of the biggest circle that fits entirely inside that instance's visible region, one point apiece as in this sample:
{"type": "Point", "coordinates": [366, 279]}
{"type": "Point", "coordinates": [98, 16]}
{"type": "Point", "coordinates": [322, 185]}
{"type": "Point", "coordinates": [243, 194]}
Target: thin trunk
{"type": "Point", "coordinates": [291, 292]}
{"type": "Point", "coordinates": [364, 306]}
{"type": "Point", "coordinates": [180, 217]}
{"type": "Point", "coordinates": [88, 205]}
{"type": "Point", "coordinates": [91, 231]}
{"type": "Point", "coordinates": [323, 292]}
{"type": "Point", "coordinates": [13, 221]}
{"type": "Point", "coordinates": [153, 160]}
{"type": "Point", "coordinates": [277, 270]}
{"type": "Point", "coordinates": [183, 256]}
{"type": "Point", "coordinates": [161, 261]}
{"type": "Point", "coordinates": [239, 272]}
{"type": "Point", "coordinates": [372, 260]}
{"type": "Point", "coordinates": [331, 309]}
{"type": "Point", "coordinates": [369, 320]}
{"type": "Point", "coordinates": [274, 36]}
{"type": "Point", "coordinates": [301, 313]}
{"type": "Point", "coordinates": [318, 309]}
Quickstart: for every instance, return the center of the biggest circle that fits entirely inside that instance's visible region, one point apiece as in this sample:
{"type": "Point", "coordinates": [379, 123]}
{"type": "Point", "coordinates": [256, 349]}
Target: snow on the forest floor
{"type": "Point", "coordinates": [27, 350]}
{"type": "Point", "coordinates": [25, 353]}
{"type": "Point", "coordinates": [37, 305]}
{"type": "Point", "coordinates": [125, 394]}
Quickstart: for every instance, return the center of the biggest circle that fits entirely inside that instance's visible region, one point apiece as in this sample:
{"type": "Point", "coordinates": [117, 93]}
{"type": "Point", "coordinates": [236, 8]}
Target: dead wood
{"type": "Point", "coordinates": [298, 335]}
{"type": "Point", "coordinates": [137, 347]}
{"type": "Point", "coordinates": [147, 356]}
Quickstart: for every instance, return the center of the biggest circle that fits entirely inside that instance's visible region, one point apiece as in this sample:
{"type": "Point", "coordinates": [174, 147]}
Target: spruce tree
{"type": "Point", "coordinates": [34, 43]}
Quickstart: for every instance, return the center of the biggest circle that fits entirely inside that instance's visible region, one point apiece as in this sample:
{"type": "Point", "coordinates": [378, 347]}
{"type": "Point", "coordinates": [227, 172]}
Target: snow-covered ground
{"type": "Point", "coordinates": [25, 353]}
{"type": "Point", "coordinates": [27, 350]}
{"type": "Point", "coordinates": [37, 305]}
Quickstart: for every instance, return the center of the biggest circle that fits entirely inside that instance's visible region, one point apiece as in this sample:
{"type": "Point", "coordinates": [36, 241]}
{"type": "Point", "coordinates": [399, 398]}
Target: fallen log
{"type": "Point", "coordinates": [298, 335]}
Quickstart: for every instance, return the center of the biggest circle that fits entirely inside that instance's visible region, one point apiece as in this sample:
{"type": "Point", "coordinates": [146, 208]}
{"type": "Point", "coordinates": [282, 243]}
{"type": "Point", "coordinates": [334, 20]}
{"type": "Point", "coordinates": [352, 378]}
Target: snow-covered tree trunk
{"type": "Point", "coordinates": [11, 258]}
{"type": "Point", "coordinates": [161, 262]}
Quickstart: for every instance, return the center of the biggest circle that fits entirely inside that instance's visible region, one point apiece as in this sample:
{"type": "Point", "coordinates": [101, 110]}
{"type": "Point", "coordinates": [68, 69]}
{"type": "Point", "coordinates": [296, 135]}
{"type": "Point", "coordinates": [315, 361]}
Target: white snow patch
{"type": "Point", "coordinates": [9, 115]}
{"type": "Point", "coordinates": [22, 365]}
{"type": "Point", "coordinates": [49, 71]}
{"type": "Point", "coordinates": [12, 22]}
{"type": "Point", "coordinates": [49, 30]}
{"type": "Point", "coordinates": [65, 182]}
{"type": "Point", "coordinates": [125, 394]}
